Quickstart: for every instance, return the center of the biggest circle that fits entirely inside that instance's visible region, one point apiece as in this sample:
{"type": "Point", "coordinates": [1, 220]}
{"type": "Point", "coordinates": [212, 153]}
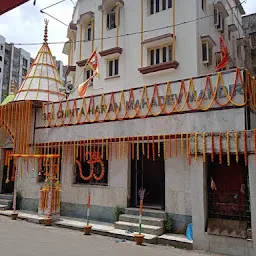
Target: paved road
{"type": "Point", "coordinates": [18, 238]}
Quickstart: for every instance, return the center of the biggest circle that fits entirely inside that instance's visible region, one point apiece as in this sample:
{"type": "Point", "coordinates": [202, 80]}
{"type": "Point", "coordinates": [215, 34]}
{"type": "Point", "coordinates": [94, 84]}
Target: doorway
{"type": "Point", "coordinates": [149, 174]}
{"type": "Point", "coordinates": [7, 188]}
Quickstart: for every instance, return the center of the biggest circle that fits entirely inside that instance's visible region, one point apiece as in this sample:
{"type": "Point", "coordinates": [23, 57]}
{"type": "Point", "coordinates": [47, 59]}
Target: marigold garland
{"type": "Point", "coordinates": [228, 148]}
{"type": "Point", "coordinates": [245, 149]}
{"type": "Point", "coordinates": [220, 152]}
{"type": "Point", "coordinates": [119, 147]}
{"type": "Point", "coordinates": [164, 148]}
{"type": "Point", "coordinates": [164, 107]}
{"type": "Point", "coordinates": [212, 147]}
{"type": "Point", "coordinates": [107, 150]}
{"type": "Point", "coordinates": [143, 146]}
{"type": "Point", "coordinates": [110, 149]}
{"type": "Point", "coordinates": [176, 145]}
{"type": "Point", "coordinates": [196, 146]}
{"type": "Point", "coordinates": [148, 149]}
{"type": "Point", "coordinates": [153, 149]}
{"type": "Point", "coordinates": [237, 147]}
{"type": "Point", "coordinates": [102, 148]}
{"type": "Point", "coordinates": [158, 146]}
{"type": "Point", "coordinates": [181, 145]}
{"type": "Point", "coordinates": [170, 145]}
{"type": "Point", "coordinates": [204, 147]}
{"type": "Point", "coordinates": [132, 148]}
{"type": "Point", "coordinates": [138, 148]}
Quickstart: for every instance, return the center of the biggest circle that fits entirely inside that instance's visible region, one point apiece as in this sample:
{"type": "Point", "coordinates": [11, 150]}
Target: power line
{"type": "Point", "coordinates": [124, 35]}
{"type": "Point", "coordinates": [53, 17]}
{"type": "Point", "coordinates": [52, 5]}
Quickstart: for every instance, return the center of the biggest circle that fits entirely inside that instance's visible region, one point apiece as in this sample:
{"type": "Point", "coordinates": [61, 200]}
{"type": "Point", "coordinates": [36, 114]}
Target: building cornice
{"type": "Point", "coordinates": [159, 67]}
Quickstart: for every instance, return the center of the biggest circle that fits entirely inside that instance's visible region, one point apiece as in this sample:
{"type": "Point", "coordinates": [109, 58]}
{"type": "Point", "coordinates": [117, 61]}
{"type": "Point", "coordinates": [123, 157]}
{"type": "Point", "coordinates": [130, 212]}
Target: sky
{"type": "Point", "coordinates": [25, 24]}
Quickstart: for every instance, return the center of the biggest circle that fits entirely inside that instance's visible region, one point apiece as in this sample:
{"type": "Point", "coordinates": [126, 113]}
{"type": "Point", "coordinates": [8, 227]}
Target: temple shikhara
{"type": "Point", "coordinates": [143, 125]}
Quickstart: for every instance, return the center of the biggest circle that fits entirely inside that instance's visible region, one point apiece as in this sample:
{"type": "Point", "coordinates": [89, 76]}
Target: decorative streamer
{"type": "Point", "coordinates": [170, 146]}
{"type": "Point", "coordinates": [123, 148]}
{"type": "Point", "coordinates": [164, 148]}
{"type": "Point", "coordinates": [237, 147]}
{"type": "Point", "coordinates": [220, 143]}
{"type": "Point", "coordinates": [115, 146]}
{"type": "Point", "coordinates": [204, 147]}
{"type": "Point", "coordinates": [102, 148]}
{"type": "Point", "coordinates": [245, 149]}
{"type": "Point", "coordinates": [181, 145]}
{"type": "Point", "coordinates": [158, 146]}
{"type": "Point", "coordinates": [119, 148]}
{"type": "Point", "coordinates": [143, 146]}
{"type": "Point", "coordinates": [212, 152]}
{"type": "Point", "coordinates": [176, 145]}
{"type": "Point", "coordinates": [132, 148]}
{"type": "Point", "coordinates": [110, 149]}
{"type": "Point", "coordinates": [196, 146]}
{"type": "Point", "coordinates": [153, 148]}
{"type": "Point", "coordinates": [138, 148]}
{"type": "Point", "coordinates": [107, 150]}
{"type": "Point", "coordinates": [148, 149]}
{"type": "Point", "coordinates": [228, 148]}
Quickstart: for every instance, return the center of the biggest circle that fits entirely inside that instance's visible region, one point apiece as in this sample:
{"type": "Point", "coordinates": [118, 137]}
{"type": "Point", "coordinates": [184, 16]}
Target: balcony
{"type": "Point", "coordinates": [220, 5]}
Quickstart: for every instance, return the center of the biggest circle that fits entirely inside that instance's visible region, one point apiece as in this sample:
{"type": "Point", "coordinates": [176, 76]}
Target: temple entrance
{"type": "Point", "coordinates": [149, 174]}
{"type": "Point", "coordinates": [7, 188]}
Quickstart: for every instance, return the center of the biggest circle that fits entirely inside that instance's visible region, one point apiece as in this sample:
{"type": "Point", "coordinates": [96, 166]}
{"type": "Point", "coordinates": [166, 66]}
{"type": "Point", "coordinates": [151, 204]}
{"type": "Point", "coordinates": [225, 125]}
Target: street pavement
{"type": "Point", "coordinates": [19, 238]}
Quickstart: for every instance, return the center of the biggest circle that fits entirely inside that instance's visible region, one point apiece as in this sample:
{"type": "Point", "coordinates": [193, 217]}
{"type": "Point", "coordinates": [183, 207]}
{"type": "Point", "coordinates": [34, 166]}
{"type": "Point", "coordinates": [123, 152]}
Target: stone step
{"type": "Point", "coordinates": [133, 227]}
{"type": "Point", "coordinates": [147, 212]}
{"type": "Point", "coordinates": [4, 207]}
{"type": "Point", "coordinates": [6, 202]}
{"type": "Point", "coordinates": [175, 240]}
{"type": "Point", "coordinates": [145, 220]}
{"type": "Point", "coordinates": [6, 196]}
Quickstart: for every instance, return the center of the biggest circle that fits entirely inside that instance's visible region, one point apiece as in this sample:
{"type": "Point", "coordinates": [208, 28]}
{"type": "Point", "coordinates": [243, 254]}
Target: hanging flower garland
{"type": "Point", "coordinates": [212, 147]}
{"type": "Point", "coordinates": [170, 146]}
{"type": "Point", "coordinates": [245, 149]}
{"type": "Point", "coordinates": [204, 147]}
{"type": "Point", "coordinates": [237, 147]}
{"type": "Point", "coordinates": [220, 143]}
{"type": "Point", "coordinates": [196, 146]}
{"type": "Point", "coordinates": [228, 149]}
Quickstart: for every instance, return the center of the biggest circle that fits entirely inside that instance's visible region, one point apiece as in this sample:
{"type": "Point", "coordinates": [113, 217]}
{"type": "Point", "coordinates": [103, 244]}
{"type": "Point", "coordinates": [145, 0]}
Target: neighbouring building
{"type": "Point", "coordinates": [249, 24]}
{"type": "Point", "coordinates": [61, 68]}
{"type": "Point", "coordinates": [159, 118]}
{"type": "Point", "coordinates": [14, 65]}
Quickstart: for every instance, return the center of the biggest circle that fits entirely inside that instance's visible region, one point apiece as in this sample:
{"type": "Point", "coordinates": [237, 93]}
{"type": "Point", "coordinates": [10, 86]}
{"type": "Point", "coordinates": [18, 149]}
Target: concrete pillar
{"type": "Point", "coordinates": [252, 183]}
{"type": "Point", "coordinates": [199, 204]}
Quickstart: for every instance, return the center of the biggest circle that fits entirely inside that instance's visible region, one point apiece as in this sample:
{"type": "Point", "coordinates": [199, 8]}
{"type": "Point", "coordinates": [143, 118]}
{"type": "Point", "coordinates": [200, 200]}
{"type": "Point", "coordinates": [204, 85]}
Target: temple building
{"type": "Point", "coordinates": [157, 117]}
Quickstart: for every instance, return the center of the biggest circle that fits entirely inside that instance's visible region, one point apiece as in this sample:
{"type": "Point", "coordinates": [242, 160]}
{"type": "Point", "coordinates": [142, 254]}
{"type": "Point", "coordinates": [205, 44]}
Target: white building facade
{"type": "Point", "coordinates": [154, 107]}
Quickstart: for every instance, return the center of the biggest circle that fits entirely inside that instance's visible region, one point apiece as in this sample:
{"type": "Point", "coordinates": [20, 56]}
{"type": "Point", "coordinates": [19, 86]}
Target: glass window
{"type": "Point", "coordinates": [164, 54]}
{"type": "Point", "coordinates": [116, 66]}
{"type": "Point", "coordinates": [169, 3]}
{"type": "Point", "coordinates": [110, 68]}
{"type": "Point", "coordinates": [152, 6]}
{"type": "Point", "coordinates": [157, 56]}
{"type": "Point", "coordinates": [164, 5]}
{"type": "Point", "coordinates": [157, 6]}
{"type": "Point", "coordinates": [152, 57]}
{"type": "Point", "coordinates": [89, 34]}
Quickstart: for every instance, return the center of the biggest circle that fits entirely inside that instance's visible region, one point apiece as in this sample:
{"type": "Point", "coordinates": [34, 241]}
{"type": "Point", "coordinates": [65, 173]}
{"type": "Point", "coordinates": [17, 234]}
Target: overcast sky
{"type": "Point", "coordinates": [25, 24]}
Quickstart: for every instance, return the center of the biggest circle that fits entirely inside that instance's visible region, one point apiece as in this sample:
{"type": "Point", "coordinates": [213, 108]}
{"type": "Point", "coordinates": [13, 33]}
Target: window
{"type": "Point", "coordinates": [1, 58]}
{"type": "Point", "coordinates": [85, 168]}
{"type": "Point", "coordinates": [87, 74]}
{"type": "Point", "coordinates": [156, 6]}
{"type": "Point", "coordinates": [206, 53]}
{"type": "Point", "coordinates": [253, 40]}
{"type": "Point", "coordinates": [160, 55]}
{"type": "Point", "coordinates": [228, 189]}
{"type": "Point", "coordinates": [218, 20]}
{"type": "Point", "coordinates": [24, 71]}
{"type": "Point", "coordinates": [113, 67]}
{"type": "Point", "coordinates": [0, 70]}
{"type": "Point", "coordinates": [89, 33]}
{"type": "Point", "coordinates": [111, 20]}
{"type": "Point", "coordinates": [203, 5]}
{"type": "Point", "coordinates": [25, 62]}
{"type": "Point", "coordinates": [2, 47]}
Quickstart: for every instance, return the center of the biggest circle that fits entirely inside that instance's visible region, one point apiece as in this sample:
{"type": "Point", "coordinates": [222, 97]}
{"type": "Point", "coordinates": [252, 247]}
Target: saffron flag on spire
{"type": "Point", "coordinates": [224, 54]}
{"type": "Point", "coordinates": [93, 63]}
